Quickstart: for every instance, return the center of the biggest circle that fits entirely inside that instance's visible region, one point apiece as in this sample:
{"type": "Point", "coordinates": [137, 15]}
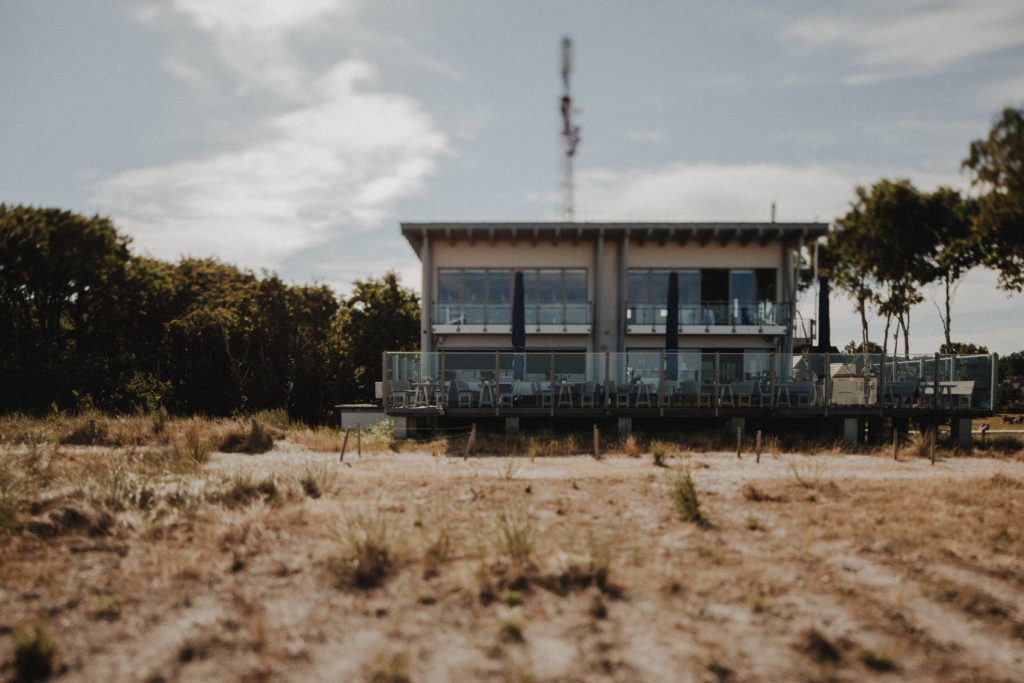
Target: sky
{"type": "Point", "coordinates": [294, 136]}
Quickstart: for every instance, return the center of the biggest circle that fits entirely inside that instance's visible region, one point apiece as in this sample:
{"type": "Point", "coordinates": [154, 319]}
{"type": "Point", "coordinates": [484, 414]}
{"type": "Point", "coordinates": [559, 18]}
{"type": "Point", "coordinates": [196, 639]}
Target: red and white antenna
{"type": "Point", "coordinates": [570, 133]}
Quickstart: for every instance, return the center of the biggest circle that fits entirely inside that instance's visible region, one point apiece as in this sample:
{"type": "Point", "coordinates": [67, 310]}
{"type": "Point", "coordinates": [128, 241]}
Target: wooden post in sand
{"type": "Point", "coordinates": [344, 443]}
{"type": "Point", "coordinates": [597, 444]}
{"type": "Point", "coordinates": [739, 442]}
{"type": "Point", "coordinates": [931, 444]}
{"type": "Point", "coordinates": [895, 443]}
{"type": "Point", "coordinates": [471, 444]}
{"type": "Point", "coordinates": [757, 445]}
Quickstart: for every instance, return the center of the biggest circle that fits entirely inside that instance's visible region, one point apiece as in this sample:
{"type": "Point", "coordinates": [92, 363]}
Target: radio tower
{"type": "Point", "coordinates": [570, 133]}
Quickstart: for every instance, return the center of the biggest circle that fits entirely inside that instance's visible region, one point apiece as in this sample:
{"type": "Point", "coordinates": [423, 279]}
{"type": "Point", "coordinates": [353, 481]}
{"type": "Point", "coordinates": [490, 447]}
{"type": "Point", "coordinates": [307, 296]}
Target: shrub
{"type": "Point", "coordinates": [369, 560]}
{"type": "Point", "coordinates": [630, 447]}
{"type": "Point", "coordinates": [34, 654]}
{"type": "Point", "coordinates": [658, 449]}
{"type": "Point", "coordinates": [683, 492]}
{"type": "Point", "coordinates": [257, 439]}
{"type": "Point", "coordinates": [511, 630]}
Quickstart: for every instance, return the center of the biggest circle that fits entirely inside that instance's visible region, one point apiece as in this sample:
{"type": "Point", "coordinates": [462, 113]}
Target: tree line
{"type": "Point", "coordinates": [85, 323]}
{"type": "Point", "coordinates": [896, 239]}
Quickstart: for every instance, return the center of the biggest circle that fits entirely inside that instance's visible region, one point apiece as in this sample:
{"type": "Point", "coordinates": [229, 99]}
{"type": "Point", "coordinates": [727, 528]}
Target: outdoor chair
{"type": "Point", "coordinates": [743, 392]}
{"type": "Point", "coordinates": [466, 396]}
{"type": "Point", "coordinates": [399, 393]}
{"type": "Point", "coordinates": [688, 392]}
{"type": "Point", "coordinates": [587, 395]}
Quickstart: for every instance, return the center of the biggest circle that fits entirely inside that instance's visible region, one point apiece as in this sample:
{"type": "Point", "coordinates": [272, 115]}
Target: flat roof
{"type": "Point", "coordinates": [682, 233]}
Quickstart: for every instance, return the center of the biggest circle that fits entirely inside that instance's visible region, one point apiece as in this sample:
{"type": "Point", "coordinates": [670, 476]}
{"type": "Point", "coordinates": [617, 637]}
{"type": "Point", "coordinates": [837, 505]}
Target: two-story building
{"type": "Point", "coordinates": [647, 320]}
{"type": "Point", "coordinates": [596, 287]}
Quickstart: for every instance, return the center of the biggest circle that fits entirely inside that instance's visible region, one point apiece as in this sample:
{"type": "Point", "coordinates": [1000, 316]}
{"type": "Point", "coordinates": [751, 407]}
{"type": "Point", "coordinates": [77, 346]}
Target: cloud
{"type": "Point", "coordinates": [336, 165]}
{"type": "Point", "coordinates": [699, 192]}
{"type": "Point", "coordinates": [899, 39]}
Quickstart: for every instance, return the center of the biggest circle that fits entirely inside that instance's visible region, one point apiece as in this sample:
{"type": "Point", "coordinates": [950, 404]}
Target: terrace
{"type": "Point", "coordinates": [654, 383]}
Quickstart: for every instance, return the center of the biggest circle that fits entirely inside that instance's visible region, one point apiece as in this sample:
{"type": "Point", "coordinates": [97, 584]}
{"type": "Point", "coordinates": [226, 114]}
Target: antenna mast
{"type": "Point", "coordinates": [570, 133]}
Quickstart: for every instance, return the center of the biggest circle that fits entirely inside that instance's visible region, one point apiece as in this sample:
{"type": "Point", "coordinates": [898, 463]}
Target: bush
{"type": "Point", "coordinates": [683, 492]}
{"type": "Point", "coordinates": [34, 654]}
{"type": "Point", "coordinates": [257, 439]}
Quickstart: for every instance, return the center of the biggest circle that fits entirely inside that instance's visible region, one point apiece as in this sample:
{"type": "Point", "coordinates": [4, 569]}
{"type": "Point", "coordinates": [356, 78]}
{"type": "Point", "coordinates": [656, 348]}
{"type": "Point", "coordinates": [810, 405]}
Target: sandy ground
{"type": "Point", "coordinates": [560, 569]}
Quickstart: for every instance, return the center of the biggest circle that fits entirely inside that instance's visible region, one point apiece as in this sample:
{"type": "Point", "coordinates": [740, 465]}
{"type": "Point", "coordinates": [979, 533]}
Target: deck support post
{"type": "Point", "coordinates": [401, 427]}
{"type": "Point", "coordinates": [851, 429]}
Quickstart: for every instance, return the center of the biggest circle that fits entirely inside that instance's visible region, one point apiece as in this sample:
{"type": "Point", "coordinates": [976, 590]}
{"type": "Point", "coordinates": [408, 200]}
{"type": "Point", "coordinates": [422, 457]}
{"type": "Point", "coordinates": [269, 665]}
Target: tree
{"type": "Point", "coordinates": [955, 250]}
{"type": "Point", "coordinates": [854, 347]}
{"type": "Point", "coordinates": [380, 315]}
{"type": "Point", "coordinates": [884, 253]}
{"type": "Point", "coordinates": [62, 276]}
{"type": "Point", "coordinates": [997, 166]}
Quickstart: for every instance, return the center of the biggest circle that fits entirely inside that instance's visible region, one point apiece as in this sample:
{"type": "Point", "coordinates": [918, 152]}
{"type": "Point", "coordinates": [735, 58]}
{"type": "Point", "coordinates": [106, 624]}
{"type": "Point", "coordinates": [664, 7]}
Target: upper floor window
{"type": "Point", "coordinates": [552, 296]}
{"type": "Point", "coordinates": [707, 296]}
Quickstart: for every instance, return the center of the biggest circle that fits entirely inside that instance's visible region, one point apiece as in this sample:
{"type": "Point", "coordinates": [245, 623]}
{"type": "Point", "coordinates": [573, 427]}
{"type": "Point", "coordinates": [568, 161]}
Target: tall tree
{"type": "Point", "coordinates": [955, 249]}
{"type": "Point", "coordinates": [997, 167]}
{"type": "Point", "coordinates": [380, 315]}
{"type": "Point", "coordinates": [62, 276]}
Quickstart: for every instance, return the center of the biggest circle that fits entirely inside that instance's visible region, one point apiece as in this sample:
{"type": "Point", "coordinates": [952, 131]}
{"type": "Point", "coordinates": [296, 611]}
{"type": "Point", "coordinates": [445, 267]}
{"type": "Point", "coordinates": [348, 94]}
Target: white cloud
{"type": "Point", "coordinates": [897, 39]}
{"type": "Point", "coordinates": [338, 164]}
{"type": "Point", "coordinates": [698, 192]}
{"type": "Point", "coordinates": [249, 39]}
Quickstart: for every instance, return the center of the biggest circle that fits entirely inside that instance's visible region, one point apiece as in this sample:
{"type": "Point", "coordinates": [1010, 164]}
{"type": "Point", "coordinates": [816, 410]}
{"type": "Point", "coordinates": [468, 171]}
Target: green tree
{"type": "Point", "coordinates": [997, 167]}
{"type": "Point", "coordinates": [62, 278]}
{"type": "Point", "coordinates": [854, 347]}
{"type": "Point", "coordinates": [884, 253]}
{"type": "Point", "coordinates": [955, 249]}
{"type": "Point", "coordinates": [380, 315]}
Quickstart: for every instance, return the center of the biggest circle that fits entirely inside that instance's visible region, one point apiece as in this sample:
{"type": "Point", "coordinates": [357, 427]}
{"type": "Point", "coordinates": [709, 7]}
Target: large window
{"type": "Point", "coordinates": [552, 296]}
{"type": "Point", "coordinates": [715, 296]}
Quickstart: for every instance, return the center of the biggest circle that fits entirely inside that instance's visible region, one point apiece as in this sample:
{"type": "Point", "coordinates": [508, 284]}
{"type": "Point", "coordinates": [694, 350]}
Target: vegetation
{"type": "Point", "coordinates": [88, 324]}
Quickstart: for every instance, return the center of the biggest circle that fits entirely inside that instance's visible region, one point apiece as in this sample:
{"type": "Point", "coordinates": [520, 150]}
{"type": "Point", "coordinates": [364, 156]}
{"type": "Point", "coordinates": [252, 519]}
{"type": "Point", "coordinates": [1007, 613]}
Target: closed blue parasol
{"type": "Point", "coordinates": [518, 327]}
{"type": "Point", "coordinates": [672, 328]}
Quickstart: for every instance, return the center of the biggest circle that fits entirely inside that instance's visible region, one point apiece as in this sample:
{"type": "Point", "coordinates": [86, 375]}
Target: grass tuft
{"type": "Point", "coordinates": [257, 439]}
{"type": "Point", "coordinates": [369, 560]}
{"type": "Point", "coordinates": [34, 654]}
{"type": "Point", "coordinates": [683, 492]}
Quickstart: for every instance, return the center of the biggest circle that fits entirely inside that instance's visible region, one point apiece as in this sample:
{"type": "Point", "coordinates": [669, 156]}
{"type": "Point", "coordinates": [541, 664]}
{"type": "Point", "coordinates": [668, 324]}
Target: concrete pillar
{"type": "Point", "coordinates": [738, 423]}
{"type": "Point", "coordinates": [401, 427]}
{"type": "Point", "coordinates": [625, 426]}
{"type": "Point", "coordinates": [511, 425]}
{"type": "Point", "coordinates": [963, 426]}
{"type": "Point", "coordinates": [851, 429]}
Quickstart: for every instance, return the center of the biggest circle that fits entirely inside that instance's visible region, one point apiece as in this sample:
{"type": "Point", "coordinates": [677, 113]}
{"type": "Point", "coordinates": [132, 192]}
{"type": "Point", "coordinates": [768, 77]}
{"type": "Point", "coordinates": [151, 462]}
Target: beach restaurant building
{"type": "Point", "coordinates": [629, 320]}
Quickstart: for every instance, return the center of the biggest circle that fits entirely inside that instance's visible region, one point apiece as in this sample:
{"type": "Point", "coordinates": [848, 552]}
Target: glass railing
{"type": "Point", "coordinates": [711, 313]}
{"type": "Point", "coordinates": [502, 380]}
{"type": "Point", "coordinates": [501, 314]}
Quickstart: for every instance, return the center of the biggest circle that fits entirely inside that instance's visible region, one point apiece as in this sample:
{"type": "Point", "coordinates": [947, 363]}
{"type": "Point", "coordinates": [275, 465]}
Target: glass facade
{"type": "Point", "coordinates": [712, 296]}
{"type": "Point", "coordinates": [552, 296]}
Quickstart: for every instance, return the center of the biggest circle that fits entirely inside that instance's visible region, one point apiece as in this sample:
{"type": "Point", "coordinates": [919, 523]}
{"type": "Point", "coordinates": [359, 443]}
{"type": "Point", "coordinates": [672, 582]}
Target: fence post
{"type": "Point", "coordinates": [758, 446]}
{"type": "Point", "coordinates": [739, 442]}
{"type": "Point", "coordinates": [895, 443]}
{"type": "Point", "coordinates": [931, 444]}
{"type": "Point", "coordinates": [471, 443]}
{"type": "Point", "coordinates": [344, 443]}
{"type": "Point", "coordinates": [597, 444]}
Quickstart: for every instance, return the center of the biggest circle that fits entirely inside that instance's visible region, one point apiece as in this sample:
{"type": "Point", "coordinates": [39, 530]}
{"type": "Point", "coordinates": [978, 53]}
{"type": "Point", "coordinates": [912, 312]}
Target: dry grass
{"type": "Point", "coordinates": [162, 559]}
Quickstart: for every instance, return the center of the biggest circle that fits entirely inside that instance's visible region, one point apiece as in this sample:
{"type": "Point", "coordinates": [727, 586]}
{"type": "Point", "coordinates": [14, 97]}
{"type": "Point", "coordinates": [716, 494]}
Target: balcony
{"type": "Point", "coordinates": [711, 317]}
{"type": "Point", "coordinates": [496, 318]}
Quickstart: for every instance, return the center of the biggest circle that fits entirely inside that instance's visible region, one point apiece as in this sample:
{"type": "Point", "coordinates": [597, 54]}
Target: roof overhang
{"type": "Point", "coordinates": [659, 233]}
